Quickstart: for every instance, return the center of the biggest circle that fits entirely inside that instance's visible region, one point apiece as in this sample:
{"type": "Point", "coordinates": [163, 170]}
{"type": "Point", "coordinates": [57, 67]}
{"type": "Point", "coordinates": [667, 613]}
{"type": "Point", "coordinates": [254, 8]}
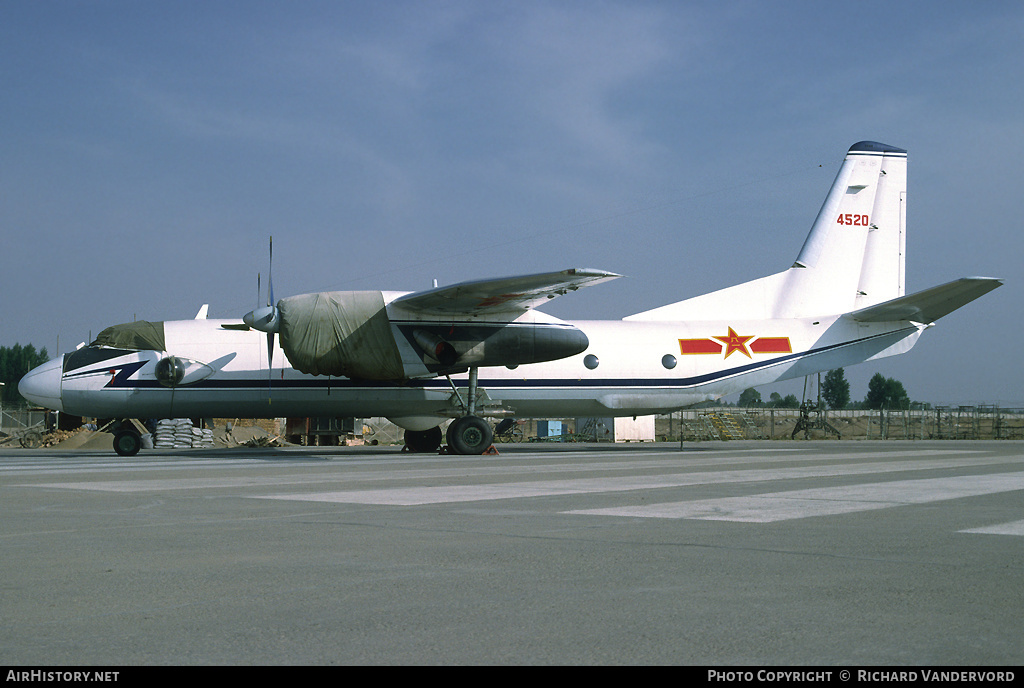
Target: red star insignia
{"type": "Point", "coordinates": [735, 342]}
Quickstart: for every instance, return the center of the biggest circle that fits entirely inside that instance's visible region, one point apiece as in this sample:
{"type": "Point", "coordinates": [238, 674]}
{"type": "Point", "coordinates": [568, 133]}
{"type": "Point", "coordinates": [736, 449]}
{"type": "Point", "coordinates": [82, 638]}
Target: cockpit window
{"type": "Point", "coordinates": [138, 335]}
{"type": "Point", "coordinates": [88, 355]}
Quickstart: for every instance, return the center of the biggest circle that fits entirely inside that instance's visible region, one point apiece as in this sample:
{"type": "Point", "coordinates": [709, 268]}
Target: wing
{"type": "Point", "coordinates": [931, 304]}
{"type": "Point", "coordinates": [502, 295]}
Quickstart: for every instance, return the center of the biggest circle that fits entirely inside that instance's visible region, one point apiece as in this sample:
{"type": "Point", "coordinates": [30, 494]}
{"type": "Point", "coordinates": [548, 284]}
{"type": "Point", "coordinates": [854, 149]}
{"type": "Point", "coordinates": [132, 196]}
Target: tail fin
{"type": "Point", "coordinates": [853, 258]}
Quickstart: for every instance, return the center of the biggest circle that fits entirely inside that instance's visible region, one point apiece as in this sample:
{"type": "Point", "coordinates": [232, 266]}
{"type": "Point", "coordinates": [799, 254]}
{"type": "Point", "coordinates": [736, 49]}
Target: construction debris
{"type": "Point", "coordinates": [256, 442]}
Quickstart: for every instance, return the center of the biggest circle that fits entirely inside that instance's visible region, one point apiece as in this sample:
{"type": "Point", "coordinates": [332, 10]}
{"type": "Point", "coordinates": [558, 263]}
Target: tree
{"type": "Point", "coordinates": [15, 361]}
{"type": "Point", "coordinates": [836, 389]}
{"type": "Point", "coordinates": [886, 393]}
{"type": "Point", "coordinates": [789, 402]}
{"type": "Point", "coordinates": [750, 397]}
{"type": "Point", "coordinates": [776, 400]}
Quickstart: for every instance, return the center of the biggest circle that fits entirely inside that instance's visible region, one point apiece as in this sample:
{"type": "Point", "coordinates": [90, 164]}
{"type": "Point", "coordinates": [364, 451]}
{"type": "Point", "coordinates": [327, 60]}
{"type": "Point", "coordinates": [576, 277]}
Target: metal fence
{"type": "Point", "coordinates": [943, 422]}
{"type": "Point", "coordinates": [723, 423]}
{"type": "Point", "coordinates": [13, 421]}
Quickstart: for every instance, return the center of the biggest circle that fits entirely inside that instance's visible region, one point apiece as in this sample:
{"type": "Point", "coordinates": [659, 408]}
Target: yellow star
{"type": "Point", "coordinates": [735, 342]}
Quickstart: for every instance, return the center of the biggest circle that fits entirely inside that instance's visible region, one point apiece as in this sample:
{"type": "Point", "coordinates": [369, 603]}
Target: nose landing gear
{"type": "Point", "coordinates": [127, 442]}
{"type": "Point", "coordinates": [127, 436]}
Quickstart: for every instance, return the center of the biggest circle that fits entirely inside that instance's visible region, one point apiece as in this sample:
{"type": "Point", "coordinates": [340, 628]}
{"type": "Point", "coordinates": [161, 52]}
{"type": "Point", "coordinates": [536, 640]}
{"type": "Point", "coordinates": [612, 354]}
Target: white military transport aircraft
{"type": "Point", "coordinates": [481, 350]}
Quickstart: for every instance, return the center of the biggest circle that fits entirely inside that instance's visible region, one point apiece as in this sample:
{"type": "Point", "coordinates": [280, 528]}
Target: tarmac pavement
{"type": "Point", "coordinates": [722, 554]}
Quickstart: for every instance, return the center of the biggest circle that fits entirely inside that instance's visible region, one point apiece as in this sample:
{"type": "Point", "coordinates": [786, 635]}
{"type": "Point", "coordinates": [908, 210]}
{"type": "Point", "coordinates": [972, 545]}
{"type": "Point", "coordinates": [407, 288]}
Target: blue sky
{"type": "Point", "coordinates": [149, 149]}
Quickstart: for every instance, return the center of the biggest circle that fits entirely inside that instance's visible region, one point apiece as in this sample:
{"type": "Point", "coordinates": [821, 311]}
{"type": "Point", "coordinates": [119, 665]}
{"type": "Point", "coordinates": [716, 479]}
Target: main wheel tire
{"type": "Point", "coordinates": [470, 435]}
{"type": "Point", "coordinates": [422, 441]}
{"type": "Point", "coordinates": [127, 443]}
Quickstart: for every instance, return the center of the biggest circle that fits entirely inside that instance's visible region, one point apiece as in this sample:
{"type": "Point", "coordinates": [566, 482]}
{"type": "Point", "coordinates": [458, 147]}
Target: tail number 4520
{"type": "Point", "coordinates": [855, 220]}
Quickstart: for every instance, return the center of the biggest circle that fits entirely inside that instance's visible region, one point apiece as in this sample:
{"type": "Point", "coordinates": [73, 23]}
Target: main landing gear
{"type": "Point", "coordinates": [466, 435]}
{"type": "Point", "coordinates": [469, 435]}
{"type": "Point", "coordinates": [423, 441]}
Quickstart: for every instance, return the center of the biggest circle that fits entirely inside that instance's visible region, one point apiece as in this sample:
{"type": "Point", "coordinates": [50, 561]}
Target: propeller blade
{"type": "Point", "coordinates": [273, 316]}
{"type": "Point", "coordinates": [265, 318]}
{"type": "Point", "coordinates": [270, 275]}
{"type": "Point", "coordinates": [270, 365]}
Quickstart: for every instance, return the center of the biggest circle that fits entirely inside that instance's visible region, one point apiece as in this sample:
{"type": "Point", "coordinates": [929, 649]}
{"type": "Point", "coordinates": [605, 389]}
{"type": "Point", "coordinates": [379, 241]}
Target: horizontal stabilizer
{"type": "Point", "coordinates": [502, 295]}
{"type": "Point", "coordinates": [929, 305]}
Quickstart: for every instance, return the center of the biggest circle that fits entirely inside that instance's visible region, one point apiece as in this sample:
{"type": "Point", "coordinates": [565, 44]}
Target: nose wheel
{"type": "Point", "coordinates": [127, 442]}
{"type": "Point", "coordinates": [127, 436]}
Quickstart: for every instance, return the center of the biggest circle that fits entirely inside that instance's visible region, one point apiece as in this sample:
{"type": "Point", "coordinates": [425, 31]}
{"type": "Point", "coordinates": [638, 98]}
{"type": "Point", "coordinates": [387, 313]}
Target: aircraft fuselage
{"type": "Point", "coordinates": [629, 368]}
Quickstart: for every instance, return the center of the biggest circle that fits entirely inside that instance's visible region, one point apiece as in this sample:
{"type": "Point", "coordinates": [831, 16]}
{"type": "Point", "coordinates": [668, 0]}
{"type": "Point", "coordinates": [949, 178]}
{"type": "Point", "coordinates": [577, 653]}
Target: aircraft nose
{"type": "Point", "coordinates": [42, 385]}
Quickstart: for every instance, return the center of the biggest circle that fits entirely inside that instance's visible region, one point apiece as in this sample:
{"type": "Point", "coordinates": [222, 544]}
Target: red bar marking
{"type": "Point", "coordinates": [699, 346]}
{"type": "Point", "coordinates": [772, 345]}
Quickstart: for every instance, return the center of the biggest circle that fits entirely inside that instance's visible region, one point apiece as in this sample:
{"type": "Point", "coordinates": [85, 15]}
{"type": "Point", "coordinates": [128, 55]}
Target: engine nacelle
{"type": "Point", "coordinates": [340, 333]}
{"type": "Point", "coordinates": [460, 345]}
{"type": "Point", "coordinates": [349, 334]}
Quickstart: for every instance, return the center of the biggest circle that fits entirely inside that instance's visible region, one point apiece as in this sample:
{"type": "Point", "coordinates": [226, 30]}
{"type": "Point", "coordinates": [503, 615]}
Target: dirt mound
{"type": "Point", "coordinates": [86, 439]}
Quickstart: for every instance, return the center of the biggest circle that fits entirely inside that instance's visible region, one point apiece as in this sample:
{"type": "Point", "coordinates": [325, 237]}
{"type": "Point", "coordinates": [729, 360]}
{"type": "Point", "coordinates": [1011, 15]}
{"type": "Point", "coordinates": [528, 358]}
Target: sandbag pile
{"type": "Point", "coordinates": [202, 438]}
{"type": "Point", "coordinates": [178, 433]}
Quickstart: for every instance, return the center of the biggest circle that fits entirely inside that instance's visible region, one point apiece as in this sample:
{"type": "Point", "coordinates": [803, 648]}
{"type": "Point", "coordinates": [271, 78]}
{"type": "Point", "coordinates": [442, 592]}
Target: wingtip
{"type": "Point", "coordinates": [591, 272]}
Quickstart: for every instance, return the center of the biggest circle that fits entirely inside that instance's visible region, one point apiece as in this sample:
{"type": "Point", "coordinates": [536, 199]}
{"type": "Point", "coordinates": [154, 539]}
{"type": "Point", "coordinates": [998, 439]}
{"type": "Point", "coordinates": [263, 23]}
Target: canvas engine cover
{"type": "Point", "coordinates": [340, 333]}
